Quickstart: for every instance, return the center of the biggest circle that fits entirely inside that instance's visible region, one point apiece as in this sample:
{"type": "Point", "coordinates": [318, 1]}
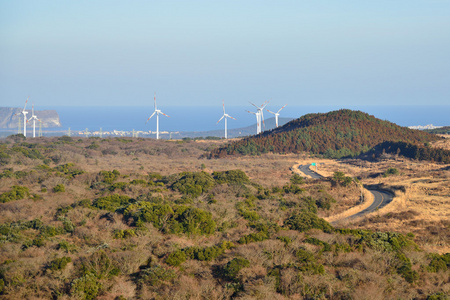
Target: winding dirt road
{"type": "Point", "coordinates": [381, 197]}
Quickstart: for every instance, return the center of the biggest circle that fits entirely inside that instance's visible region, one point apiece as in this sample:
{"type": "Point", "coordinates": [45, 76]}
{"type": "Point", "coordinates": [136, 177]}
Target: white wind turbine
{"type": "Point", "coordinates": [34, 118]}
{"type": "Point", "coordinates": [276, 114]}
{"type": "Point", "coordinates": [258, 122]}
{"type": "Point", "coordinates": [259, 115]}
{"type": "Point", "coordinates": [225, 115]}
{"type": "Point", "coordinates": [157, 112]}
{"type": "Point", "coordinates": [24, 112]}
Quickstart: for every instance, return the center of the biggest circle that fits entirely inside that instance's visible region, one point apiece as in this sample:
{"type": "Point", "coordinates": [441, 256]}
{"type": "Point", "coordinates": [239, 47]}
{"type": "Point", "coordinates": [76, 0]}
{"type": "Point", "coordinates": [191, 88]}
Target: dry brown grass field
{"type": "Point", "coordinates": [68, 239]}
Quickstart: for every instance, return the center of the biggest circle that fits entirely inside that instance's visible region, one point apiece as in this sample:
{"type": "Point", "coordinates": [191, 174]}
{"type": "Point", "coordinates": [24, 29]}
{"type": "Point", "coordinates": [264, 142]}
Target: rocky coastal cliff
{"type": "Point", "coordinates": [9, 119]}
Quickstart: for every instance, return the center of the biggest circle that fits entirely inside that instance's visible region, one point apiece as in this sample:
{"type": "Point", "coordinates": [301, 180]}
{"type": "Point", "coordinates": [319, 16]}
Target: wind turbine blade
{"type": "Point", "coordinates": [26, 103]}
{"type": "Point", "coordinates": [253, 104]}
{"type": "Point", "coordinates": [154, 99]}
{"type": "Point", "coordinates": [264, 104]}
{"type": "Point", "coordinates": [250, 112]}
{"type": "Point", "coordinates": [165, 114]}
{"type": "Point", "coordinates": [223, 105]}
{"type": "Point", "coordinates": [270, 111]}
{"type": "Point", "coordinates": [281, 108]}
{"type": "Point", "coordinates": [151, 116]}
{"type": "Point", "coordinates": [32, 109]}
{"type": "Point", "coordinates": [220, 119]}
{"type": "Point", "coordinates": [231, 117]}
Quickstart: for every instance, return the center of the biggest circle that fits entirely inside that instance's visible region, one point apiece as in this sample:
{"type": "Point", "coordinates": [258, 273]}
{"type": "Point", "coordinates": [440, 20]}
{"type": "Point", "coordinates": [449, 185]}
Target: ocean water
{"type": "Point", "coordinates": [205, 118]}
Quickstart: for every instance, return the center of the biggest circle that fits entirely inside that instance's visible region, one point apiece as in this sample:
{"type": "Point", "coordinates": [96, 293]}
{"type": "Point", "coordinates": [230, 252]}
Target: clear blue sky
{"type": "Point", "coordinates": [200, 52]}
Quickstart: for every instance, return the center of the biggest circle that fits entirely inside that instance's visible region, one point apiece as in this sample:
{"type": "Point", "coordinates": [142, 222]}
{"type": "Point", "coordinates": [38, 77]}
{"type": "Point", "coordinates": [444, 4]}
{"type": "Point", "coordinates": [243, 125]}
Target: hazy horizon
{"type": "Point", "coordinates": [204, 118]}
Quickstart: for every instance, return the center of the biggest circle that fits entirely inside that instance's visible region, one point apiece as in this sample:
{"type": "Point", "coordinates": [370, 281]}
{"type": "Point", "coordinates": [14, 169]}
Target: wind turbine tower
{"type": "Point", "coordinates": [276, 114]}
{"type": "Point", "coordinates": [157, 112]}
{"type": "Point", "coordinates": [34, 118]}
{"type": "Point", "coordinates": [258, 121]}
{"type": "Point", "coordinates": [225, 115]}
{"type": "Point", "coordinates": [24, 112]}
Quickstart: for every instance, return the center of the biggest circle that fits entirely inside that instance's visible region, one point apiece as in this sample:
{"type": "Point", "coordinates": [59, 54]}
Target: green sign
{"type": "Point", "coordinates": [313, 164]}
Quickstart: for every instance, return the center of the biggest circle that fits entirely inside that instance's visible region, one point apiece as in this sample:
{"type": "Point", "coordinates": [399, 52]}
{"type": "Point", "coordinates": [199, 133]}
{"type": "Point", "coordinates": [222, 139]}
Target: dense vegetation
{"type": "Point", "coordinates": [415, 151]}
{"type": "Point", "coordinates": [440, 130]}
{"type": "Point", "coordinates": [342, 133]}
{"type": "Point", "coordinates": [76, 231]}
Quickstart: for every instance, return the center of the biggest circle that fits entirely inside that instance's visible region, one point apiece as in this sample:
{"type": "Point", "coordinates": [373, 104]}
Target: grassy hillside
{"type": "Point", "coordinates": [77, 225]}
{"type": "Point", "coordinates": [335, 134]}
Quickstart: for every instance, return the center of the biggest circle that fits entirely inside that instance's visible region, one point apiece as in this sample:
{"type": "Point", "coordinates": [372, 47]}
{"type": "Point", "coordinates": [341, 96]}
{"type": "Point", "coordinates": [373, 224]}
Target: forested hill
{"type": "Point", "coordinates": [335, 134]}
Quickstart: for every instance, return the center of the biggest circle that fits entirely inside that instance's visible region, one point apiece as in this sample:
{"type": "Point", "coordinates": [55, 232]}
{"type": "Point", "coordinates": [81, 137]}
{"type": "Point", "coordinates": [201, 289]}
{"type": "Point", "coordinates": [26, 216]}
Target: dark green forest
{"type": "Point", "coordinates": [441, 130]}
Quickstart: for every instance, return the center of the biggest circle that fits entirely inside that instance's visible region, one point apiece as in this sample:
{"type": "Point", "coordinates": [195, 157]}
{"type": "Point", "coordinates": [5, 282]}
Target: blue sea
{"type": "Point", "coordinates": [205, 118]}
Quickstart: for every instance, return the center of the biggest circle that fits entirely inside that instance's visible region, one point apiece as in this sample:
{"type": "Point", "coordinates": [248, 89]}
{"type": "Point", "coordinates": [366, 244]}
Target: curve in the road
{"type": "Point", "coordinates": [381, 197]}
{"type": "Point", "coordinates": [305, 169]}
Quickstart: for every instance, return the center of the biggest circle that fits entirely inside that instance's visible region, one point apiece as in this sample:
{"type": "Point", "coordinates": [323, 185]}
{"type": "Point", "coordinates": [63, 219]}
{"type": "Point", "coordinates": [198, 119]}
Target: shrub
{"type": "Point", "coordinates": [245, 209]}
{"type": "Point", "coordinates": [118, 186]}
{"type": "Point", "coordinates": [308, 204]}
{"type": "Point", "coordinates": [156, 275]}
{"type": "Point", "coordinates": [231, 269]}
{"type": "Point", "coordinates": [439, 262]}
{"type": "Point", "coordinates": [17, 193]}
{"type": "Point", "coordinates": [100, 265]}
{"type": "Point", "coordinates": [176, 258]}
{"type": "Point", "coordinates": [231, 177]}
{"type": "Point", "coordinates": [308, 263]}
{"type": "Point", "coordinates": [292, 189]}
{"type": "Point", "coordinates": [249, 215]}
{"type": "Point", "coordinates": [438, 296]}
{"type": "Point", "coordinates": [195, 220]}
{"type": "Point", "coordinates": [109, 176]}
{"type": "Point", "coordinates": [313, 241]}
{"type": "Point", "coordinates": [59, 263]}
{"type": "Point", "coordinates": [184, 200]}
{"type": "Point", "coordinates": [340, 178]}
{"type": "Point", "coordinates": [390, 171]}
{"type": "Point", "coordinates": [305, 220]}
{"type": "Point", "coordinates": [305, 256]}
{"type": "Point", "coordinates": [285, 239]}
{"type": "Point", "coordinates": [86, 287]}
{"type": "Point", "coordinates": [67, 247]}
{"type": "Point", "coordinates": [123, 234]}
{"type": "Point", "coordinates": [69, 170]}
{"type": "Point", "coordinates": [193, 183]}
{"type": "Point", "coordinates": [204, 254]}
{"type": "Point", "coordinates": [93, 146]}
{"type": "Point", "coordinates": [324, 201]}
{"type": "Point", "coordinates": [138, 181]}
{"type": "Point", "coordinates": [112, 202]}
{"type": "Point", "coordinates": [176, 219]}
{"type": "Point", "coordinates": [253, 237]}
{"type": "Point", "coordinates": [84, 203]}
{"type": "Point", "coordinates": [59, 188]}
{"type": "Point", "coordinates": [296, 179]}
{"type": "Point", "coordinates": [67, 224]}
{"type": "Point", "coordinates": [4, 158]}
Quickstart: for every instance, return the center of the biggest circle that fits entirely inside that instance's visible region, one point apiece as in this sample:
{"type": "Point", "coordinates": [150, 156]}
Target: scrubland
{"type": "Point", "coordinates": [144, 219]}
